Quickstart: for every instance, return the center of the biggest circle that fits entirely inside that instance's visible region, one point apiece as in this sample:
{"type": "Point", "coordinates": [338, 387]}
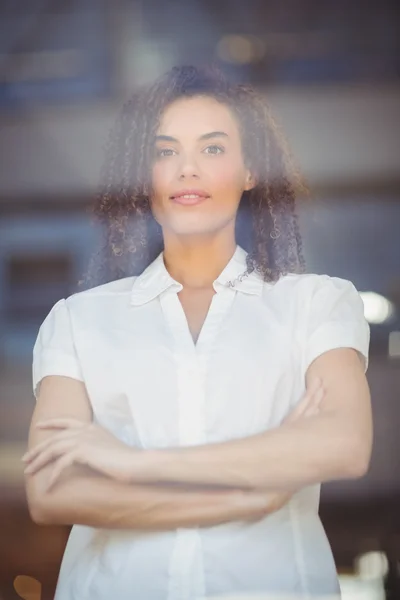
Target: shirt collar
{"type": "Point", "coordinates": [155, 279]}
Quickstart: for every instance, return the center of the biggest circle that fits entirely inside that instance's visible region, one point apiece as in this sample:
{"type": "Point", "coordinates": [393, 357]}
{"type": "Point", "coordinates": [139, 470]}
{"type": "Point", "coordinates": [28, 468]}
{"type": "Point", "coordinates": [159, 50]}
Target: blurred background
{"type": "Point", "coordinates": [330, 70]}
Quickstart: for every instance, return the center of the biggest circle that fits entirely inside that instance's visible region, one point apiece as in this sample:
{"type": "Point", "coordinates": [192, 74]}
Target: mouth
{"type": "Point", "coordinates": [189, 197]}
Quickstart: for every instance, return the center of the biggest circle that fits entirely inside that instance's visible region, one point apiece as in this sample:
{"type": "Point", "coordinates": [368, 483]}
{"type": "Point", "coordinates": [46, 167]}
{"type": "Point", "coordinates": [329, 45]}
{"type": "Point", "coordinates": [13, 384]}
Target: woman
{"type": "Point", "coordinates": [192, 400]}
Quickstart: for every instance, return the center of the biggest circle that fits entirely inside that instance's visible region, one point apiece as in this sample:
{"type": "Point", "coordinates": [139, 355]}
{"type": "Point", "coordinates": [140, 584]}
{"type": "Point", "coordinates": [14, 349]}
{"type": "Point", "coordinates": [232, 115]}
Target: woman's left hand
{"type": "Point", "coordinates": [83, 443]}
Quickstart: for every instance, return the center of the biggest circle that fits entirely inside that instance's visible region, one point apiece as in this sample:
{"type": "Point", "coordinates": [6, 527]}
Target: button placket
{"type": "Point", "coordinates": [191, 431]}
{"type": "Point", "coordinates": [191, 363]}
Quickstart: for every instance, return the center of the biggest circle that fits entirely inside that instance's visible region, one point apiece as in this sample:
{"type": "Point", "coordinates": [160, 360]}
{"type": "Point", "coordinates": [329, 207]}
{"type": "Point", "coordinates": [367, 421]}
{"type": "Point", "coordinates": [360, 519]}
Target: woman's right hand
{"type": "Point", "coordinates": [307, 407]}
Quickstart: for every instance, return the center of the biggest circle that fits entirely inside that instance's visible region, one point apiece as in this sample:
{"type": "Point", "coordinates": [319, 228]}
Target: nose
{"type": "Point", "coordinates": [188, 167]}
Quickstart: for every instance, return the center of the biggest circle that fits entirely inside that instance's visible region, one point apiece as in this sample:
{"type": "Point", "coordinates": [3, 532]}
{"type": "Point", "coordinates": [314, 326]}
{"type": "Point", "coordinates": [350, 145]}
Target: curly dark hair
{"type": "Point", "coordinates": [266, 222]}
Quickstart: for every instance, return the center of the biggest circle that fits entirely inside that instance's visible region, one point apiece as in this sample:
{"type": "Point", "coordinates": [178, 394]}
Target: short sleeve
{"type": "Point", "coordinates": [54, 350]}
{"type": "Point", "coordinates": [336, 319]}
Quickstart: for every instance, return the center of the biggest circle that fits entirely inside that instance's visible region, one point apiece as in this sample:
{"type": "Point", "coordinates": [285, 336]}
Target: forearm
{"type": "Point", "coordinates": [90, 499]}
{"type": "Point", "coordinates": [292, 456]}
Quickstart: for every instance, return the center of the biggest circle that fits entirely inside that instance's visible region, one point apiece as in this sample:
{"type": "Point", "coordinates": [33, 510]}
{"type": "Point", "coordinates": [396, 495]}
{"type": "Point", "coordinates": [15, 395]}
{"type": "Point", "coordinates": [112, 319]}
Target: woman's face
{"type": "Point", "coordinates": [198, 151]}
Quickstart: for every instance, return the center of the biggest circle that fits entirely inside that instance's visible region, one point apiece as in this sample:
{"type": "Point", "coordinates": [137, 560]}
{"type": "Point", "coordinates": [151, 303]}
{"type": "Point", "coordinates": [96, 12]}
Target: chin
{"type": "Point", "coordinates": [196, 226]}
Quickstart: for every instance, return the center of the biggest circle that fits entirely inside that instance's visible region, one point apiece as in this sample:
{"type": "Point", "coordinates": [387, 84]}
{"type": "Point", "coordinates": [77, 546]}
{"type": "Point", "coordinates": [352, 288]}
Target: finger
{"type": "Point", "coordinates": [308, 398]}
{"type": "Point", "coordinates": [60, 422]}
{"type": "Point", "coordinates": [320, 394]}
{"type": "Point", "coordinates": [315, 404]}
{"type": "Point", "coordinates": [316, 397]}
{"type": "Point", "coordinates": [312, 412]}
{"type": "Point", "coordinates": [296, 412]}
{"type": "Point", "coordinates": [311, 397]}
{"type": "Point", "coordinates": [31, 454]}
{"type": "Point", "coordinates": [314, 393]}
{"type": "Point", "coordinates": [49, 455]}
{"type": "Point", "coordinates": [313, 388]}
{"type": "Point", "coordinates": [315, 400]}
{"type": "Point", "coordinates": [62, 463]}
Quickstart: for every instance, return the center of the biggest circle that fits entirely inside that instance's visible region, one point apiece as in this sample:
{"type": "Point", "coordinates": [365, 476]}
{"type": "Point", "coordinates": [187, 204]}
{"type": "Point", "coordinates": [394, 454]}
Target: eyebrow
{"type": "Point", "coordinates": [205, 136]}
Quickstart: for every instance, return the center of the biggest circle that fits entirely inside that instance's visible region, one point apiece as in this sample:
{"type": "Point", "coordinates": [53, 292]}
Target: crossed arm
{"type": "Point", "coordinates": [85, 496]}
{"type": "Point", "coordinates": [334, 444]}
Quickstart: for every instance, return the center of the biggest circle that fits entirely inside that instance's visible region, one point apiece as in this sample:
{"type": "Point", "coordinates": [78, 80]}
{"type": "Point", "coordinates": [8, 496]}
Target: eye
{"type": "Point", "coordinates": [162, 152]}
{"type": "Point", "coordinates": [214, 149]}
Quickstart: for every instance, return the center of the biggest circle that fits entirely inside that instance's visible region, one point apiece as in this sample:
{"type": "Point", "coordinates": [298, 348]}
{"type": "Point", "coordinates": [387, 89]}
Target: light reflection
{"type": "Point", "coordinates": [377, 308]}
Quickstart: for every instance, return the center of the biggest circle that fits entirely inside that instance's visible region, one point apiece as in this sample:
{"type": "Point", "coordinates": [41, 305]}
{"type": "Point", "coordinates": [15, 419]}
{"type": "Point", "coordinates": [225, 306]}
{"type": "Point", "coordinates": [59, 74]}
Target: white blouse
{"type": "Point", "coordinates": [152, 387]}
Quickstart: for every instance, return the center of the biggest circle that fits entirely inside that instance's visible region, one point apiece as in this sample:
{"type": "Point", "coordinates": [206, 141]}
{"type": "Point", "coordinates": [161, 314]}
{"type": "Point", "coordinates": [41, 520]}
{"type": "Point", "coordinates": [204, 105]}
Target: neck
{"type": "Point", "coordinates": [196, 264]}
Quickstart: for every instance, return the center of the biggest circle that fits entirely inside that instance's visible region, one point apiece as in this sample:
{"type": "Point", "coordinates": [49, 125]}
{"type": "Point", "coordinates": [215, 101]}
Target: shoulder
{"type": "Point", "coordinates": [95, 306]}
{"type": "Point", "coordinates": [113, 292]}
{"type": "Point", "coordinates": [311, 287]}
{"type": "Point", "coordinates": [305, 300]}
{"type": "Point", "coordinates": [324, 311]}
{"type": "Point", "coordinates": [309, 281]}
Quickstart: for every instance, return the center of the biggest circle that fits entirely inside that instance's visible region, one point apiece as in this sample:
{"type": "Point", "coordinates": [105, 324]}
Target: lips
{"type": "Point", "coordinates": [189, 197]}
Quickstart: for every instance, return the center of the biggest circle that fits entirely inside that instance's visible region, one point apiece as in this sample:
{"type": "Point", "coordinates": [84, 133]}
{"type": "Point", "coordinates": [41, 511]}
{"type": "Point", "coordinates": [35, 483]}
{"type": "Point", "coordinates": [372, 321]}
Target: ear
{"type": "Point", "coordinates": [250, 181]}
